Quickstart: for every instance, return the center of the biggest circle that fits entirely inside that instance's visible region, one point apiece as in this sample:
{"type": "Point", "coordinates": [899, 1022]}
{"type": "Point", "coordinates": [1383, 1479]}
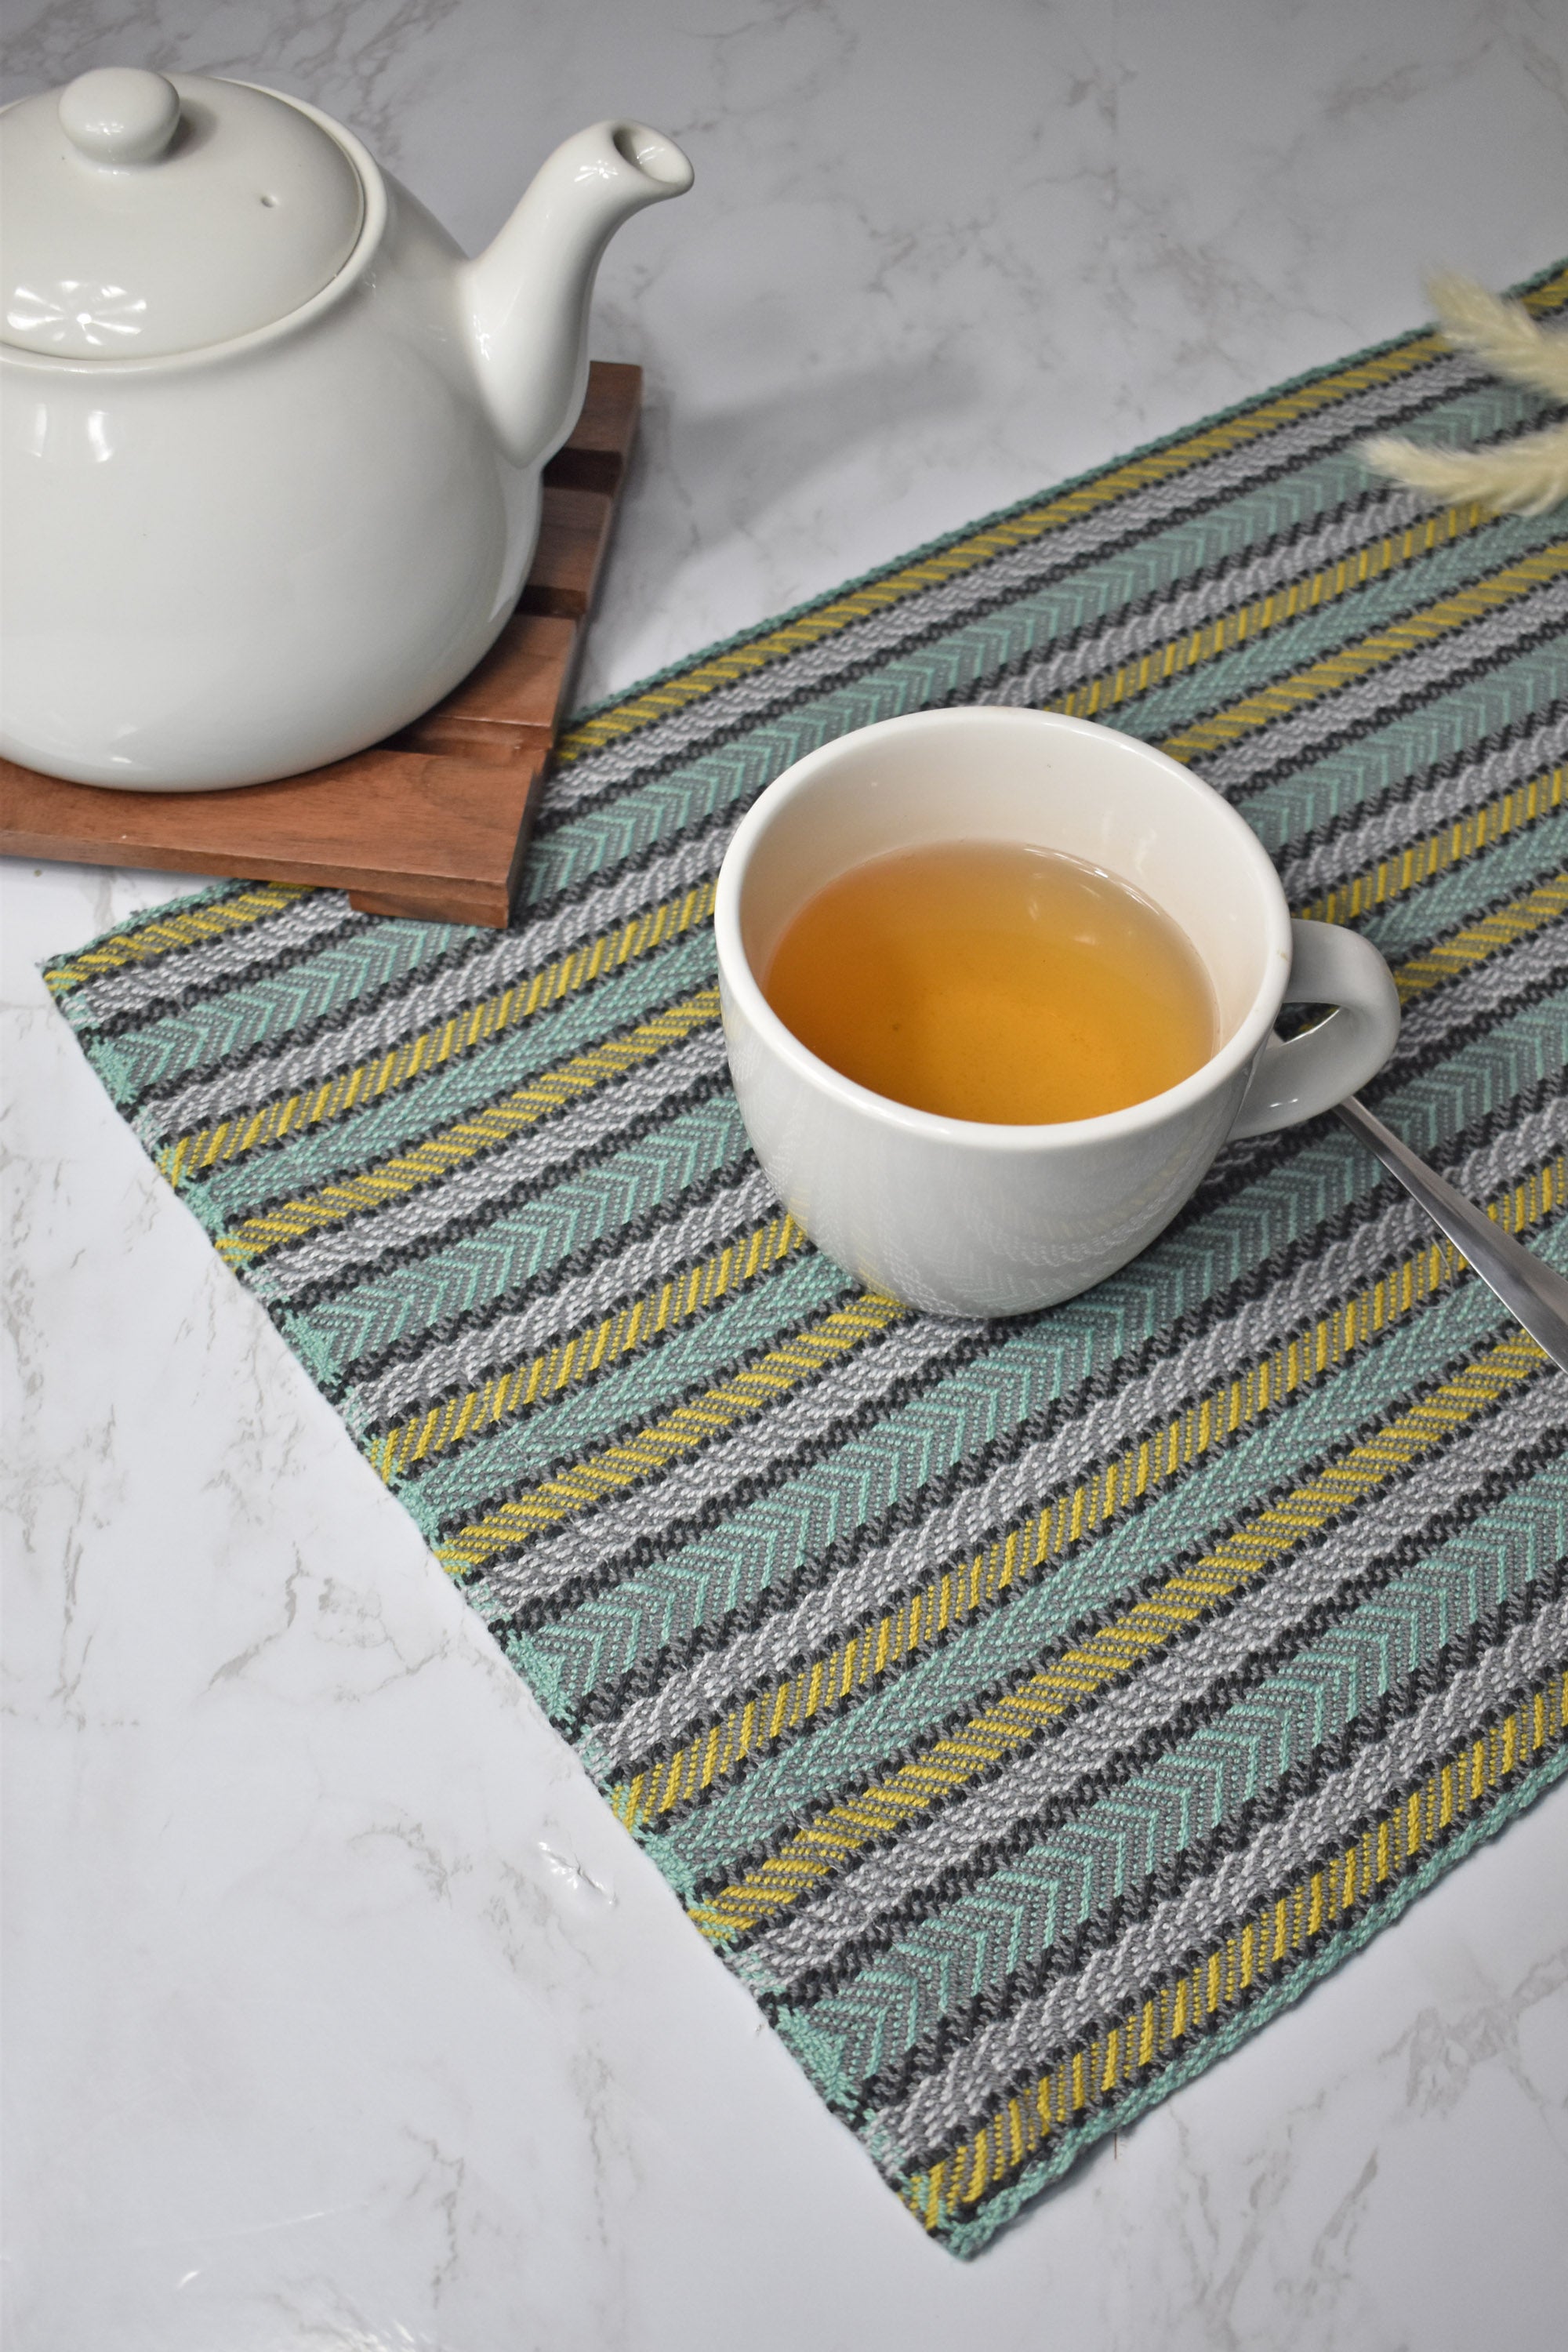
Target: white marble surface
{"type": "Point", "coordinates": [338, 2014]}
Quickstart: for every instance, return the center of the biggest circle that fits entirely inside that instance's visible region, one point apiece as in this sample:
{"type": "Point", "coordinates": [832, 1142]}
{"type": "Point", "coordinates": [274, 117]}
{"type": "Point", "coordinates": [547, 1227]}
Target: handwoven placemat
{"type": "Point", "coordinates": [1025, 1711]}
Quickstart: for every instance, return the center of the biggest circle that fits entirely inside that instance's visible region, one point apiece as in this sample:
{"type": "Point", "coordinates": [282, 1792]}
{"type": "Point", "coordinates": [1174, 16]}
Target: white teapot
{"type": "Point", "coordinates": [269, 445]}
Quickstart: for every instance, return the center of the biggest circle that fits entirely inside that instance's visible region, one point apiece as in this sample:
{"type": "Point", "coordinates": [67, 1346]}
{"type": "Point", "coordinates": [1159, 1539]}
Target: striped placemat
{"type": "Point", "coordinates": [1025, 1711]}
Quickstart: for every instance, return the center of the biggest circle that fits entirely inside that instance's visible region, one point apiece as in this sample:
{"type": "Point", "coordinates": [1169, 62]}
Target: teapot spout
{"type": "Point", "coordinates": [524, 300]}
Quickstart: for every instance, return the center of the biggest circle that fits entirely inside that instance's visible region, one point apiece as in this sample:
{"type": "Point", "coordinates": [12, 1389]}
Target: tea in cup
{"type": "Point", "coordinates": [997, 984]}
{"type": "Point", "coordinates": [993, 981]}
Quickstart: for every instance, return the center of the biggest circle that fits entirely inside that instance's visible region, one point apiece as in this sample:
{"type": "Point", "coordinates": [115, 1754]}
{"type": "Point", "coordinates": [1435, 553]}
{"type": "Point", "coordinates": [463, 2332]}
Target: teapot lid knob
{"type": "Point", "coordinates": [149, 213]}
{"type": "Point", "coordinates": [119, 114]}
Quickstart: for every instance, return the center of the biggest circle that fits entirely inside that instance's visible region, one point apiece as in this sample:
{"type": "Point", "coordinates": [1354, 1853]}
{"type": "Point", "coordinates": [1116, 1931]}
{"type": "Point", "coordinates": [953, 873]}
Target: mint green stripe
{"type": "Point", "coordinates": [699, 1581]}
{"type": "Point", "coordinates": [525, 1449]}
{"type": "Point", "coordinates": [1526, 689]}
{"type": "Point", "coordinates": [1012, 1918]}
{"type": "Point", "coordinates": [633, 820]}
{"type": "Point", "coordinates": [1292, 645]}
{"type": "Point", "coordinates": [359, 1138]}
{"type": "Point", "coordinates": [1504, 871]}
{"type": "Point", "coordinates": [911, 1706]}
{"type": "Point", "coordinates": [965, 2238]}
{"type": "Point", "coordinates": [470, 1276]}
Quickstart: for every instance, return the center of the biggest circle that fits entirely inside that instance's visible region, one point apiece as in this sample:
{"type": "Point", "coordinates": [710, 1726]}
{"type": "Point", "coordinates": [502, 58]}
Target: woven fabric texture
{"type": "Point", "coordinates": [1025, 1711]}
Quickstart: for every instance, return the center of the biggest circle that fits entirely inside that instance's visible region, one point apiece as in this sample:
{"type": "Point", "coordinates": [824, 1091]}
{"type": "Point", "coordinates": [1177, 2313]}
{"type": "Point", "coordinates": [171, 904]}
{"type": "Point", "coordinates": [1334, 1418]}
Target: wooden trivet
{"type": "Point", "coordinates": [434, 822]}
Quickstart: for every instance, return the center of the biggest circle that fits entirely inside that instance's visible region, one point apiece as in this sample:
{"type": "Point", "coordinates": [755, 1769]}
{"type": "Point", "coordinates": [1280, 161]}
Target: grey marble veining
{"type": "Point", "coordinates": [341, 2017]}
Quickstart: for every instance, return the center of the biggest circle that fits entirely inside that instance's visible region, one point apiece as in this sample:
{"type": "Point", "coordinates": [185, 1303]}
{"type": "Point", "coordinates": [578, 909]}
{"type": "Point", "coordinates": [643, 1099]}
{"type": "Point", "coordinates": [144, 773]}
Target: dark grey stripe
{"type": "Point", "coordinates": [652, 1091]}
{"type": "Point", "coordinates": [614, 1535]}
{"type": "Point", "coordinates": [1086, 1376]}
{"type": "Point", "coordinates": [943, 2107]}
{"type": "Point", "coordinates": [552, 1570]}
{"type": "Point", "coordinates": [144, 991]}
{"type": "Point", "coordinates": [935, 1711]}
{"type": "Point", "coordinates": [1004, 579]}
{"type": "Point", "coordinates": [510, 960]}
{"type": "Point", "coordinates": [705, 1690]}
{"type": "Point", "coordinates": [1478, 998]}
{"type": "Point", "coordinates": [456, 987]}
{"type": "Point", "coordinates": [450, 1367]}
{"type": "Point", "coordinates": [1354, 709]}
{"type": "Point", "coordinates": [1061, 1773]}
{"type": "Point", "coordinates": [1419, 807]}
{"type": "Point", "coordinates": [450, 993]}
{"type": "Point", "coordinates": [1042, 676]}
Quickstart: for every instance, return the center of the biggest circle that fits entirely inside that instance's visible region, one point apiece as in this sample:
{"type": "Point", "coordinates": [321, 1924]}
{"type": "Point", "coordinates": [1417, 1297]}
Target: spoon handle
{"type": "Point", "coordinates": [1531, 1289]}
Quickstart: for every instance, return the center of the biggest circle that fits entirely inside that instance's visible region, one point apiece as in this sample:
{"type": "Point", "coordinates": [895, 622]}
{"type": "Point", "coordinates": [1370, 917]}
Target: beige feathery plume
{"type": "Point", "coordinates": [1501, 334]}
{"type": "Point", "coordinates": [1522, 477]}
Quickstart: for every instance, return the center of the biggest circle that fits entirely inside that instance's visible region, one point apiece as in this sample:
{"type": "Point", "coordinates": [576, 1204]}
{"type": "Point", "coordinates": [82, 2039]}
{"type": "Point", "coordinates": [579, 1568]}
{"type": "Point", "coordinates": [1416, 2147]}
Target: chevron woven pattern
{"type": "Point", "coordinates": [1025, 1711]}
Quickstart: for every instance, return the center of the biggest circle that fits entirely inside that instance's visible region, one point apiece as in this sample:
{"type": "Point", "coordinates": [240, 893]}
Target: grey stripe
{"type": "Point", "coordinates": [942, 2109]}
{"type": "Point", "coordinates": [664, 874]}
{"type": "Point", "coordinates": [1147, 1703]}
{"type": "Point", "coordinates": [148, 989]}
{"type": "Point", "coordinates": [1285, 743]}
{"type": "Point", "coordinates": [697, 860]}
{"type": "Point", "coordinates": [1004, 578]}
{"type": "Point", "coordinates": [881, 1578]}
{"type": "Point", "coordinates": [1488, 987]}
{"type": "Point", "coordinates": [1388, 831]}
{"type": "Point", "coordinates": [449, 1366]}
{"type": "Point", "coordinates": [511, 962]}
{"type": "Point", "coordinates": [551, 1563]}
{"type": "Point", "coordinates": [420, 1005]}
{"type": "Point", "coordinates": [1057, 668]}
{"type": "Point", "coordinates": [548, 1149]}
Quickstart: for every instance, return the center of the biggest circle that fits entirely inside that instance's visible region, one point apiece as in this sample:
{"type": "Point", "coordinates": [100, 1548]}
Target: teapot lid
{"type": "Point", "coordinates": [148, 214]}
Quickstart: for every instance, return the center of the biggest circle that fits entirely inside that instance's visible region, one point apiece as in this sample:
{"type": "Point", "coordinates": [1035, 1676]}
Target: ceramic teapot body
{"type": "Point", "coordinates": [241, 560]}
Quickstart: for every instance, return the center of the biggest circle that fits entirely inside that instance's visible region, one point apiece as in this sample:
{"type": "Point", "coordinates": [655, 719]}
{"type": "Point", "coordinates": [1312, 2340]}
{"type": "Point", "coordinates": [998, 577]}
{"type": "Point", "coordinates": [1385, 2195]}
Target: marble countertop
{"type": "Point", "coordinates": [340, 2013]}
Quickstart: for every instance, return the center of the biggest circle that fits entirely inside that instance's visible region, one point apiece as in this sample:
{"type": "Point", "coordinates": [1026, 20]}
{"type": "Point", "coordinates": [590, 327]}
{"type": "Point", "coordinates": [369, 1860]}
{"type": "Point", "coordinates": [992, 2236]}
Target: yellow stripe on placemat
{"type": "Point", "coordinates": [394, 1178]}
{"type": "Point", "coordinates": [193, 928]}
{"type": "Point", "coordinates": [368, 1080]}
{"type": "Point", "coordinates": [849, 1669]}
{"type": "Point", "coordinates": [1504, 815]}
{"type": "Point", "coordinates": [614, 1467]}
{"type": "Point", "coordinates": [1463, 950]}
{"type": "Point", "coordinates": [1147, 1626]}
{"type": "Point", "coordinates": [944, 564]}
{"type": "Point", "coordinates": [466, 1417]}
{"type": "Point", "coordinates": [571, 1491]}
{"type": "Point", "coordinates": [1313, 592]}
{"type": "Point", "coordinates": [456, 1145]}
{"type": "Point", "coordinates": [689, 1290]}
{"type": "Point", "coordinates": [710, 675]}
{"type": "Point", "coordinates": [1280, 1930]}
{"type": "Point", "coordinates": [1373, 652]}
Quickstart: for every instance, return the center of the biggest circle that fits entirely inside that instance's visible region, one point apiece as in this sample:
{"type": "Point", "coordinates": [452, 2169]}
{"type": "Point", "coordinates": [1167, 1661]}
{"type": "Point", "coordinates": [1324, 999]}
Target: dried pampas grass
{"type": "Point", "coordinates": [1523, 476]}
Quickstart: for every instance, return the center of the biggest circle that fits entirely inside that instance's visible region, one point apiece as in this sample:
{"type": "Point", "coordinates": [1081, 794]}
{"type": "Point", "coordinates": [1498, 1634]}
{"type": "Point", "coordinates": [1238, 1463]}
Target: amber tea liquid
{"type": "Point", "coordinates": [990, 980]}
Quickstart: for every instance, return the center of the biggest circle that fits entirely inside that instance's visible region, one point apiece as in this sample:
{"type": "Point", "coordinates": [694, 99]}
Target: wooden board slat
{"type": "Point", "coordinates": [436, 835]}
{"type": "Point", "coordinates": [512, 703]}
{"type": "Point", "coordinates": [574, 531]}
{"type": "Point", "coordinates": [434, 824]}
{"type": "Point", "coordinates": [599, 451]}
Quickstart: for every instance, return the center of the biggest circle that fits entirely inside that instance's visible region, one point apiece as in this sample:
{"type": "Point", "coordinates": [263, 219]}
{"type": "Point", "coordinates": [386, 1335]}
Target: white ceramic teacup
{"type": "Point", "coordinates": [965, 1218]}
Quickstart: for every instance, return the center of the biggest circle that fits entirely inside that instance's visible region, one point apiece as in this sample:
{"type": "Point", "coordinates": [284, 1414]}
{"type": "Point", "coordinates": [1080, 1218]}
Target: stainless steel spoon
{"type": "Point", "coordinates": [1531, 1289]}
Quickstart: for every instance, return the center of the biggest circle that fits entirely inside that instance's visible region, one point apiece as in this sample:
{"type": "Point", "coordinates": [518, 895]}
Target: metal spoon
{"type": "Point", "coordinates": [1531, 1289]}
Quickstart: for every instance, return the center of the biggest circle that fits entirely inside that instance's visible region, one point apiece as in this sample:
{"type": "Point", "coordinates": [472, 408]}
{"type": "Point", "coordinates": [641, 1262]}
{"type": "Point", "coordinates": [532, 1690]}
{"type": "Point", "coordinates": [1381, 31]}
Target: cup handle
{"type": "Point", "coordinates": [1296, 1078]}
